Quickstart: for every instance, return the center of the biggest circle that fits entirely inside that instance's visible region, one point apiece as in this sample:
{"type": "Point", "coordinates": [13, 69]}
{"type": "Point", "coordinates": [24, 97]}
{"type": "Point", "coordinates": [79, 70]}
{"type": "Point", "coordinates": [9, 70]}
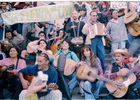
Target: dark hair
{"type": "Point", "coordinates": [59, 31]}
{"type": "Point", "coordinates": [92, 12]}
{"type": "Point", "coordinates": [44, 55]}
{"type": "Point", "coordinates": [47, 47]}
{"type": "Point", "coordinates": [42, 32]}
{"type": "Point", "coordinates": [17, 49]}
{"type": "Point", "coordinates": [92, 56]}
{"type": "Point", "coordinates": [4, 2]}
{"type": "Point", "coordinates": [7, 31]}
{"type": "Point", "coordinates": [113, 11]}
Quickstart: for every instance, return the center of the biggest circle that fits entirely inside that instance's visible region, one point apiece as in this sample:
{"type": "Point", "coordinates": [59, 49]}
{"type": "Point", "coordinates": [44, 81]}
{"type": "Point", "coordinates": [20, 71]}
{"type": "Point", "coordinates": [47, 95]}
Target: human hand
{"type": "Point", "coordinates": [25, 84]}
{"type": "Point", "coordinates": [34, 30]}
{"type": "Point", "coordinates": [15, 32]}
{"type": "Point", "coordinates": [35, 88]}
{"type": "Point", "coordinates": [73, 27]}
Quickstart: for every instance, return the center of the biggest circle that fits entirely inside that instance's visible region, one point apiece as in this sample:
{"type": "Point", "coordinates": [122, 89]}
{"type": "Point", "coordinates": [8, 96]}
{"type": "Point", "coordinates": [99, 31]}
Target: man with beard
{"type": "Point", "coordinates": [75, 29]}
{"type": "Point", "coordinates": [42, 65]}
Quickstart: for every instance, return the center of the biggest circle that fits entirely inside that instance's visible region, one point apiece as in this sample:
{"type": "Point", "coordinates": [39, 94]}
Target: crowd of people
{"type": "Point", "coordinates": [60, 52]}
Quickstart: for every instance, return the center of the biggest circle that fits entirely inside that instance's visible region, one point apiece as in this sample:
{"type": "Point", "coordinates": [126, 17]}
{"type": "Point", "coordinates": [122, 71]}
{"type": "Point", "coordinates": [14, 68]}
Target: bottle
{"type": "Point", "coordinates": [41, 78]}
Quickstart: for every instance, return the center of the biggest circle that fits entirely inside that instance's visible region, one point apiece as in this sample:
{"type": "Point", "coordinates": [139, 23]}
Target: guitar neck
{"type": "Point", "coordinates": [102, 78]}
{"type": "Point", "coordinates": [128, 9]}
{"type": "Point", "coordinates": [132, 70]}
{"type": "Point", "coordinates": [52, 56]}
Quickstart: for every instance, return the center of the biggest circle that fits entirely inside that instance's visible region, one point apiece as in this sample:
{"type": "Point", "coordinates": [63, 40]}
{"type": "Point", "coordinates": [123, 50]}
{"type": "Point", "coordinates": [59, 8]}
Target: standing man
{"type": "Point", "coordinates": [116, 32]}
{"type": "Point", "coordinates": [75, 29]}
{"type": "Point", "coordinates": [114, 70]}
{"type": "Point", "coordinates": [95, 43]}
{"type": "Point", "coordinates": [42, 65]}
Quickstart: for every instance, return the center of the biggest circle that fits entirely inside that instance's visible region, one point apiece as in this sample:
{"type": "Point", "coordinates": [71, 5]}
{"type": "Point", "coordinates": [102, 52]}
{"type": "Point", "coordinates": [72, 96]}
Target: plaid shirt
{"type": "Point", "coordinates": [108, 73]}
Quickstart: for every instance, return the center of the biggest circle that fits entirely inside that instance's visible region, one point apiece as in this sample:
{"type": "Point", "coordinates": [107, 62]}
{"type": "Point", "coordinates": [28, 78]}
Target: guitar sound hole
{"type": "Point", "coordinates": [89, 73]}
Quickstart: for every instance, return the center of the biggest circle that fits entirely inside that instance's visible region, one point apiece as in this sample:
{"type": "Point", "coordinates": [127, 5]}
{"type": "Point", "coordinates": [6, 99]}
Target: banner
{"type": "Point", "coordinates": [117, 5]}
{"type": "Point", "coordinates": [38, 14]}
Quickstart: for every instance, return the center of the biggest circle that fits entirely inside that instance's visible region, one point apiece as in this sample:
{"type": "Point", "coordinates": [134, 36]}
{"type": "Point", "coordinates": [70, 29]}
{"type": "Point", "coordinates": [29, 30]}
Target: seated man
{"type": "Point", "coordinates": [13, 38]}
{"type": "Point", "coordinates": [117, 69]}
{"type": "Point", "coordinates": [42, 65]}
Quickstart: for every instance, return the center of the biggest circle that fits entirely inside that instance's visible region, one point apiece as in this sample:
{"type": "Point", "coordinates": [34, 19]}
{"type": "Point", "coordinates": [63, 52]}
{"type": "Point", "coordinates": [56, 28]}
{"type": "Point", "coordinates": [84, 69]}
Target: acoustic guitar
{"type": "Point", "coordinates": [130, 14]}
{"type": "Point", "coordinates": [121, 83]}
{"type": "Point", "coordinates": [69, 62]}
{"type": "Point", "coordinates": [134, 29]}
{"type": "Point", "coordinates": [51, 86]}
{"type": "Point", "coordinates": [57, 46]}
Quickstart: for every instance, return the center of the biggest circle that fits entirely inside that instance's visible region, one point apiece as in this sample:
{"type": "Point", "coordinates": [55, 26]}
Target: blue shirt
{"type": "Point", "coordinates": [33, 70]}
{"type": "Point", "coordinates": [70, 55]}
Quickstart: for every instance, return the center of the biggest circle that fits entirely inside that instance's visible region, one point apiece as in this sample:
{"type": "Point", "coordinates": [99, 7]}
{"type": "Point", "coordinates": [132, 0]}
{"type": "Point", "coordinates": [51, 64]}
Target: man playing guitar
{"type": "Point", "coordinates": [115, 70]}
{"type": "Point", "coordinates": [42, 65]}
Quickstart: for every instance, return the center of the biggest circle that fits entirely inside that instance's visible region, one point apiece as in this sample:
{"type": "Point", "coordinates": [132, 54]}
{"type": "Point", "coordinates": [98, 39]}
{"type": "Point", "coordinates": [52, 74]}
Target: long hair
{"type": "Point", "coordinates": [92, 56]}
{"type": "Point", "coordinates": [47, 45]}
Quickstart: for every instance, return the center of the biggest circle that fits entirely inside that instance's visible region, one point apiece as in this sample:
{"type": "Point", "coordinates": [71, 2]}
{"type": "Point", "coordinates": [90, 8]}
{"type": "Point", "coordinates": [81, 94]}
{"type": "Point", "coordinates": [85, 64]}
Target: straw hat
{"type": "Point", "coordinates": [120, 51]}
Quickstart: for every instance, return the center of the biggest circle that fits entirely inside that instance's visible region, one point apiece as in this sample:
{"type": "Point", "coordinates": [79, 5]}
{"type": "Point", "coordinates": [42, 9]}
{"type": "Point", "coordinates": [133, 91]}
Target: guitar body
{"type": "Point", "coordinates": [82, 73]}
{"type": "Point", "coordinates": [130, 16]}
{"type": "Point", "coordinates": [30, 51]}
{"type": "Point", "coordinates": [69, 62]}
{"type": "Point", "coordinates": [55, 46]}
{"type": "Point", "coordinates": [120, 93]}
{"type": "Point", "coordinates": [134, 29]}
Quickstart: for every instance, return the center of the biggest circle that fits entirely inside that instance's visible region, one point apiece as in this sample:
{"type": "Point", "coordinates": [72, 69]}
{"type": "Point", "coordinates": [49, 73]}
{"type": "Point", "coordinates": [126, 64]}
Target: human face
{"type": "Point", "coordinates": [61, 33]}
{"type": "Point", "coordinates": [86, 53]}
{"type": "Point", "coordinates": [42, 45]}
{"type": "Point", "coordinates": [103, 6]}
{"type": "Point", "coordinates": [115, 14]}
{"type": "Point", "coordinates": [4, 5]}
{"type": "Point", "coordinates": [41, 62]}
{"type": "Point", "coordinates": [41, 35]}
{"type": "Point", "coordinates": [118, 58]}
{"type": "Point", "coordinates": [13, 53]}
{"type": "Point", "coordinates": [93, 16]}
{"type": "Point", "coordinates": [65, 45]}
{"type": "Point", "coordinates": [75, 15]}
{"type": "Point", "coordinates": [9, 35]}
{"type": "Point", "coordinates": [82, 13]}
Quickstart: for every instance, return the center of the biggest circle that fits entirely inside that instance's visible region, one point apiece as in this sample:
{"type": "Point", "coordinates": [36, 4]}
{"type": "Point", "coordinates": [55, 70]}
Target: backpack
{"type": "Point", "coordinates": [63, 86]}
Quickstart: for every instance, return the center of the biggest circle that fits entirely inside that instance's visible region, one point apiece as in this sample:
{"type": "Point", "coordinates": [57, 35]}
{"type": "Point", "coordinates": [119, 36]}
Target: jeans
{"type": "Point", "coordinates": [98, 49]}
{"type": "Point", "coordinates": [130, 39]}
{"type": "Point", "coordinates": [134, 46]}
{"type": "Point", "coordinates": [73, 81]}
{"type": "Point", "coordinates": [116, 45]}
{"type": "Point", "coordinates": [53, 95]}
{"type": "Point", "coordinates": [50, 28]}
{"type": "Point", "coordinates": [13, 85]}
{"type": "Point", "coordinates": [98, 87]}
{"type": "Point", "coordinates": [27, 27]}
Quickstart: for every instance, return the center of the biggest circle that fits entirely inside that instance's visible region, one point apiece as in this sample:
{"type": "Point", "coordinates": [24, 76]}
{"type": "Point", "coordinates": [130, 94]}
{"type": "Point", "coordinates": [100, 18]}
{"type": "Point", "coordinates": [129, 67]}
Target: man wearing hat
{"type": "Point", "coordinates": [83, 15]}
{"type": "Point", "coordinates": [114, 70]}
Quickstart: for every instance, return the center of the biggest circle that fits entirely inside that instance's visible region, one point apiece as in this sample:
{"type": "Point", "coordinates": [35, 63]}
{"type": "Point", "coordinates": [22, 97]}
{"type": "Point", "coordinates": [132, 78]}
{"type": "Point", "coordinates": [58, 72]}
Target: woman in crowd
{"type": "Point", "coordinates": [92, 62]}
{"type": "Point", "coordinates": [9, 72]}
{"type": "Point", "coordinates": [40, 46]}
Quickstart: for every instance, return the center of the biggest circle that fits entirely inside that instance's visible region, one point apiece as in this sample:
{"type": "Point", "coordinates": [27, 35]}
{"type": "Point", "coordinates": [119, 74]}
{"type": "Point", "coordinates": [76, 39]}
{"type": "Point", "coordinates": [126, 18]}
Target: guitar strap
{"type": "Point", "coordinates": [95, 94]}
{"type": "Point", "coordinates": [17, 63]}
